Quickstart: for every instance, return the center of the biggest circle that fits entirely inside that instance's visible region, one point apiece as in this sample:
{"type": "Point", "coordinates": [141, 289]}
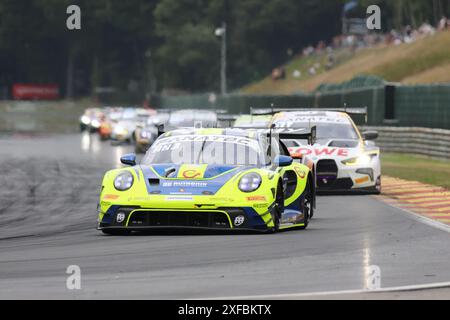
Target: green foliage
{"type": "Point", "coordinates": [171, 43]}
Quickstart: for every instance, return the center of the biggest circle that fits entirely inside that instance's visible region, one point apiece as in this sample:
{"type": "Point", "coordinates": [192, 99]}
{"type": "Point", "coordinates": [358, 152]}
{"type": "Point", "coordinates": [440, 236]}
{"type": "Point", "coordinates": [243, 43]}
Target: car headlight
{"type": "Point", "coordinates": [363, 160]}
{"type": "Point", "coordinates": [95, 124]}
{"type": "Point", "coordinates": [123, 181]}
{"type": "Point", "coordinates": [85, 120]}
{"type": "Point", "coordinates": [250, 182]}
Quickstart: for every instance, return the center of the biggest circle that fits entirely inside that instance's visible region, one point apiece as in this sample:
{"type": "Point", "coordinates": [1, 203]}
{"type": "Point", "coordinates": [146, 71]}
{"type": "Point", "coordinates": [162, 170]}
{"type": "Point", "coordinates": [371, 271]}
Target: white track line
{"type": "Point", "coordinates": [438, 285]}
{"type": "Point", "coordinates": [412, 215]}
{"type": "Point", "coordinates": [420, 218]}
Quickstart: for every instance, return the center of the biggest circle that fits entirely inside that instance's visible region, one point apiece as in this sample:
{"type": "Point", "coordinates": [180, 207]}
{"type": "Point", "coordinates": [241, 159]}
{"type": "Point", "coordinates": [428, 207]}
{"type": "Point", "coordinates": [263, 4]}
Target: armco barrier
{"type": "Point", "coordinates": [423, 141]}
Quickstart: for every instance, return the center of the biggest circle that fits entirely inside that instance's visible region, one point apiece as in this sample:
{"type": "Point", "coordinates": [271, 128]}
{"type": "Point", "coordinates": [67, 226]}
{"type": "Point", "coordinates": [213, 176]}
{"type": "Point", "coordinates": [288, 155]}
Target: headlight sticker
{"type": "Point", "coordinates": [256, 198]}
{"type": "Point", "coordinates": [301, 173]}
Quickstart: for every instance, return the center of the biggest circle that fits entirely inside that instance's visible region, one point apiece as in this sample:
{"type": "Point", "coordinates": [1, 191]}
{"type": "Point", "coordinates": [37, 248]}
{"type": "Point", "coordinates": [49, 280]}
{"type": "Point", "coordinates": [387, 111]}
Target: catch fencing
{"type": "Point", "coordinates": [388, 104]}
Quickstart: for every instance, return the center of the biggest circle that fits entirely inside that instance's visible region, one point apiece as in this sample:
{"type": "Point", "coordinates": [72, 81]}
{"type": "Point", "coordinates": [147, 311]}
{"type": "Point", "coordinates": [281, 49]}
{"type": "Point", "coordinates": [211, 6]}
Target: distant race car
{"type": "Point", "coordinates": [112, 115]}
{"type": "Point", "coordinates": [344, 159]}
{"type": "Point", "coordinates": [219, 179]}
{"type": "Point", "coordinates": [123, 130]}
{"type": "Point", "coordinates": [146, 134]}
{"type": "Point", "coordinates": [91, 119]}
{"type": "Point", "coordinates": [252, 122]}
{"type": "Point", "coordinates": [192, 118]}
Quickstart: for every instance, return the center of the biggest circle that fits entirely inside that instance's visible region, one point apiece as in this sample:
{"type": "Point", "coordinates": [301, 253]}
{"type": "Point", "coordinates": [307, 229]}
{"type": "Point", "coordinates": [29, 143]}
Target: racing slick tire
{"type": "Point", "coordinates": [278, 209]}
{"type": "Point", "coordinates": [376, 190]}
{"type": "Point", "coordinates": [312, 197]}
{"type": "Point", "coordinates": [307, 206]}
{"type": "Point", "coordinates": [378, 186]}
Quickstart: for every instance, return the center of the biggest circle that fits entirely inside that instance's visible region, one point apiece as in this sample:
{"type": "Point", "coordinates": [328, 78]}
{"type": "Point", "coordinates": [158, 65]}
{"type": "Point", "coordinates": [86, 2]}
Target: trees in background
{"type": "Point", "coordinates": [153, 44]}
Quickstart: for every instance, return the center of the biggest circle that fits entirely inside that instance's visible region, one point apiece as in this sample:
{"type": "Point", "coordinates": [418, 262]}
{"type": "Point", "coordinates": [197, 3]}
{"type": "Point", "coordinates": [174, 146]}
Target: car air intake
{"type": "Point", "coordinates": [327, 172]}
{"type": "Point", "coordinates": [191, 219]}
{"type": "Point", "coordinates": [153, 182]}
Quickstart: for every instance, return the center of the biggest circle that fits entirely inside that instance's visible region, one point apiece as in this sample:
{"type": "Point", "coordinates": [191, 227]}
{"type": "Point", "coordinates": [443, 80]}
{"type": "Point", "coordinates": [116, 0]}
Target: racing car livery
{"type": "Point", "coordinates": [345, 160]}
{"type": "Point", "coordinates": [224, 179]}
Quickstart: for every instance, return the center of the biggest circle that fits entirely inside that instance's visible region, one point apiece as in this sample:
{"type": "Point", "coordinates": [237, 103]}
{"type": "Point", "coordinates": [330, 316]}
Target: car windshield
{"type": "Point", "coordinates": [211, 149]}
{"type": "Point", "coordinates": [327, 130]}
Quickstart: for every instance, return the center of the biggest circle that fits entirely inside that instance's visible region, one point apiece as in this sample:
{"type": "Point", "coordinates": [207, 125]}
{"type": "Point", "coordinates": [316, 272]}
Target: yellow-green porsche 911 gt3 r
{"type": "Point", "coordinates": [219, 179]}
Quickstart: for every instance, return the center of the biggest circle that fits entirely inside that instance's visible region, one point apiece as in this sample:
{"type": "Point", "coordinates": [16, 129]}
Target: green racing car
{"type": "Point", "coordinates": [214, 179]}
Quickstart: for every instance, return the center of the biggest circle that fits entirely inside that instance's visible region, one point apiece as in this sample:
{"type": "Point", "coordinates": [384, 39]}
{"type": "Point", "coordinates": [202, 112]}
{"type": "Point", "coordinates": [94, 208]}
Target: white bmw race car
{"type": "Point", "coordinates": [344, 159]}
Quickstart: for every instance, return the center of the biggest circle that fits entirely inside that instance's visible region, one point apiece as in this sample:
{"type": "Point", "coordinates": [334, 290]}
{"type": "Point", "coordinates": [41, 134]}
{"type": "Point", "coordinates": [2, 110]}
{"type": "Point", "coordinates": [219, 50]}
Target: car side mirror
{"type": "Point", "coordinates": [160, 128]}
{"type": "Point", "coordinates": [370, 135]}
{"type": "Point", "coordinates": [283, 161]}
{"type": "Point", "coordinates": [129, 159]}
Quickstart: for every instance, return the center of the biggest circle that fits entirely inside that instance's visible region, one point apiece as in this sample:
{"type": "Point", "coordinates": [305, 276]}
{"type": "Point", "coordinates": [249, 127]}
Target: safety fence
{"type": "Point", "coordinates": [388, 104]}
{"type": "Point", "coordinates": [422, 141]}
{"type": "Point", "coordinates": [372, 98]}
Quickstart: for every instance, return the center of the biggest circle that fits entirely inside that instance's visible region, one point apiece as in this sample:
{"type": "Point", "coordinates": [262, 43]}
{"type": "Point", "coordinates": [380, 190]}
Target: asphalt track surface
{"type": "Point", "coordinates": [49, 187]}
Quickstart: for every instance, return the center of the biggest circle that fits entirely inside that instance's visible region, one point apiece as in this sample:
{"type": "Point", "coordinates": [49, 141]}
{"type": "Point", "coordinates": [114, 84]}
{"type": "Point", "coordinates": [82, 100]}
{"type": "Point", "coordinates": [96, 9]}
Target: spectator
{"type": "Point", "coordinates": [297, 74]}
{"type": "Point", "coordinates": [427, 30]}
{"type": "Point", "coordinates": [278, 74]}
{"type": "Point", "coordinates": [330, 61]}
{"type": "Point", "coordinates": [443, 24]}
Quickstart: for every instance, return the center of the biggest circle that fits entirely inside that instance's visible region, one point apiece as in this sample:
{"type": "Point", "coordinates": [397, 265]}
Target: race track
{"type": "Point", "coordinates": [49, 187]}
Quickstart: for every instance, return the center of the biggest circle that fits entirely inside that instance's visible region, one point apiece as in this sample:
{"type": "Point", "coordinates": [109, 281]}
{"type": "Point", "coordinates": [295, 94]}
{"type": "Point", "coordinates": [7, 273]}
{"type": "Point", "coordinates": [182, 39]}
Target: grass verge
{"type": "Point", "coordinates": [42, 116]}
{"type": "Point", "coordinates": [426, 60]}
{"type": "Point", "coordinates": [416, 168]}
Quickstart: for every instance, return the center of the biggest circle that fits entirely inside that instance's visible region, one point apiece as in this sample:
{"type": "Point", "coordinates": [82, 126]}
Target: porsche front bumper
{"type": "Point", "coordinates": [135, 219]}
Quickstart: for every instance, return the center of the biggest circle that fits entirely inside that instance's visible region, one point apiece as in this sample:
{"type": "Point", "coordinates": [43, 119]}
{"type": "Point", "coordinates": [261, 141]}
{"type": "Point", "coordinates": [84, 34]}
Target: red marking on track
{"type": "Point", "coordinates": [437, 207]}
{"type": "Point", "coordinates": [400, 193]}
{"type": "Point", "coordinates": [443, 203]}
{"type": "Point", "coordinates": [402, 185]}
{"type": "Point", "coordinates": [423, 199]}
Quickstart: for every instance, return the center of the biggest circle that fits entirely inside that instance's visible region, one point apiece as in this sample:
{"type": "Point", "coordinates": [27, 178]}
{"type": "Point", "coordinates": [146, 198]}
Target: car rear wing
{"type": "Point", "coordinates": [273, 110]}
{"type": "Point", "coordinates": [295, 134]}
{"type": "Point", "coordinates": [226, 120]}
{"type": "Point", "coordinates": [227, 117]}
{"type": "Point", "coordinates": [164, 110]}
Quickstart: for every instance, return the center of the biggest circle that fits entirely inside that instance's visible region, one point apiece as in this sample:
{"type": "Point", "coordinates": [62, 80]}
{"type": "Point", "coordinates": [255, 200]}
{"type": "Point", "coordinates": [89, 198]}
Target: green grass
{"type": "Point", "coordinates": [416, 168]}
{"type": "Point", "coordinates": [42, 116]}
{"type": "Point", "coordinates": [290, 84]}
{"type": "Point", "coordinates": [420, 62]}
